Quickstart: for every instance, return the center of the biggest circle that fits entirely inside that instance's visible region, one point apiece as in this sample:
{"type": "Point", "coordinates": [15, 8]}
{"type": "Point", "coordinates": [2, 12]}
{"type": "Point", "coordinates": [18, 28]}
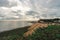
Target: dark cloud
{"type": "Point", "coordinates": [7, 3]}
{"type": "Point", "coordinates": [4, 3]}
{"type": "Point", "coordinates": [52, 4]}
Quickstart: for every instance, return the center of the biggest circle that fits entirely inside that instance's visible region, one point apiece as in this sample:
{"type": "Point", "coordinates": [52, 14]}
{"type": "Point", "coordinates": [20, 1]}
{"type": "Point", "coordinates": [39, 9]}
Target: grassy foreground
{"type": "Point", "coordinates": [52, 32]}
{"type": "Point", "coordinates": [13, 34]}
{"type": "Point", "coordinates": [49, 33]}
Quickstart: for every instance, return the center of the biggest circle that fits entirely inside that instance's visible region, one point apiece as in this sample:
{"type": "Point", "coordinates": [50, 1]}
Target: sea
{"type": "Point", "coordinates": [10, 25]}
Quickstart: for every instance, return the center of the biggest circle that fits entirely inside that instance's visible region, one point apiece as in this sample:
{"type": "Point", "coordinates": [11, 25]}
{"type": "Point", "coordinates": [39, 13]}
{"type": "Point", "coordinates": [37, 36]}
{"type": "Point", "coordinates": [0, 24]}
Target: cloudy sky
{"type": "Point", "coordinates": [19, 9]}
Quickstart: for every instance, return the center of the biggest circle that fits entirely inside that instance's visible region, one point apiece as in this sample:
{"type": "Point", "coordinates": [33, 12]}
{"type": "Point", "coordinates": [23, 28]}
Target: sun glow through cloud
{"type": "Point", "coordinates": [34, 9]}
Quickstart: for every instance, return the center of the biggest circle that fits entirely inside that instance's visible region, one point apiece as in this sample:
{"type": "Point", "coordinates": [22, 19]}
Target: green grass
{"type": "Point", "coordinates": [13, 34]}
{"type": "Point", "coordinates": [52, 32]}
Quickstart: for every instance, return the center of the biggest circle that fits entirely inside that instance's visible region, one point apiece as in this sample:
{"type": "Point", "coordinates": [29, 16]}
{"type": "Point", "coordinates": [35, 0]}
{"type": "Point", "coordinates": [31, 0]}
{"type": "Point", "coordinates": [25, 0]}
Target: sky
{"type": "Point", "coordinates": [29, 9]}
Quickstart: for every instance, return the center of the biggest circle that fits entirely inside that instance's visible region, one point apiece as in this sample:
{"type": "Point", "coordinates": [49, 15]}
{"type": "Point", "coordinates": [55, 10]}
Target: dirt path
{"type": "Point", "coordinates": [34, 27]}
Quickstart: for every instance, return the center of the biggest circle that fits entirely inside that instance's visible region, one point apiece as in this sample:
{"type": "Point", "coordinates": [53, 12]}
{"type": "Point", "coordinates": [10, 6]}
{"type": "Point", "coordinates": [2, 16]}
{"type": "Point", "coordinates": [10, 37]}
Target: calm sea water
{"type": "Point", "coordinates": [9, 25]}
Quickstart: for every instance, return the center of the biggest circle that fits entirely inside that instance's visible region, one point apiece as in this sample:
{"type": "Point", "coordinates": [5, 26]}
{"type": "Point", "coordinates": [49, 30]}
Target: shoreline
{"type": "Point", "coordinates": [15, 29]}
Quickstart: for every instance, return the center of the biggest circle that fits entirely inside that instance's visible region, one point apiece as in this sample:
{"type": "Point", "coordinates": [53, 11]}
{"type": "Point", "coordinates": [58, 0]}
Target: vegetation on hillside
{"type": "Point", "coordinates": [13, 34]}
{"type": "Point", "coordinates": [52, 32]}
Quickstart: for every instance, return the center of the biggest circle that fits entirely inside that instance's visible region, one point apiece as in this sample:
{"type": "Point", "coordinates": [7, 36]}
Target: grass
{"type": "Point", "coordinates": [52, 32]}
{"type": "Point", "coordinates": [13, 34]}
